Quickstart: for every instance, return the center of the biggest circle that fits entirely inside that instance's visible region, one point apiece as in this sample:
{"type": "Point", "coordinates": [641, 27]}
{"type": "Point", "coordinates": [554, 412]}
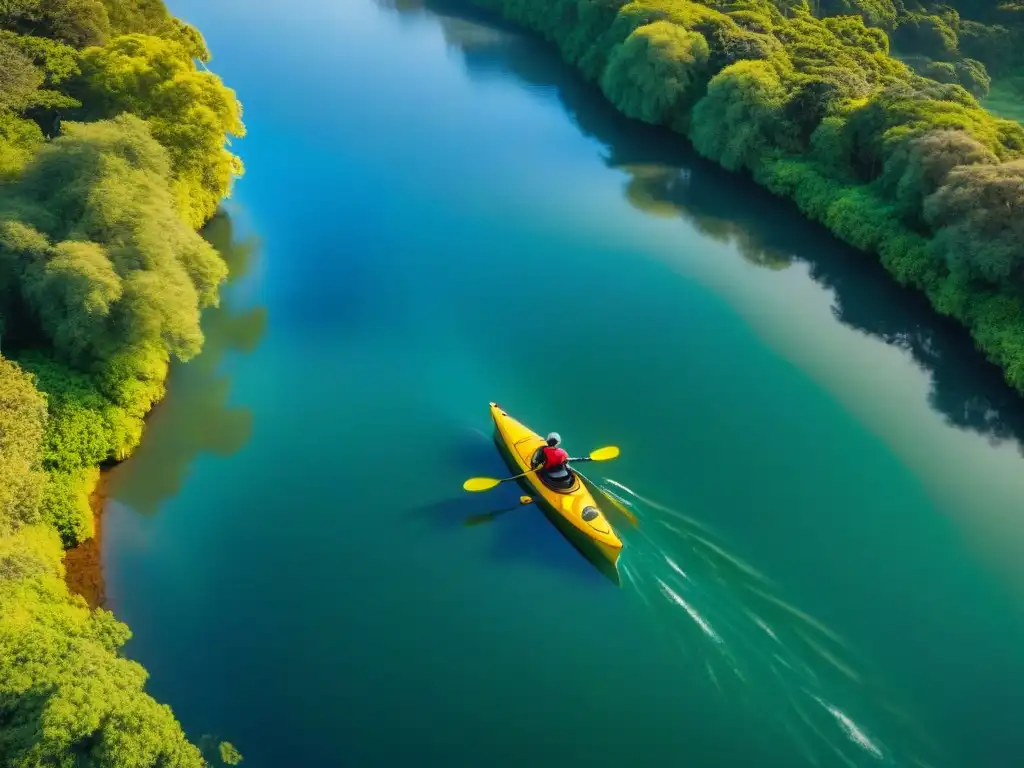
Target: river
{"type": "Point", "coordinates": [829, 566]}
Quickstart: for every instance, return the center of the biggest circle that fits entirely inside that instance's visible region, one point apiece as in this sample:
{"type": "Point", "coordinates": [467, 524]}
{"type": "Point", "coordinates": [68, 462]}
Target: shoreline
{"type": "Point", "coordinates": [83, 564]}
{"type": "Point", "coordinates": [856, 212]}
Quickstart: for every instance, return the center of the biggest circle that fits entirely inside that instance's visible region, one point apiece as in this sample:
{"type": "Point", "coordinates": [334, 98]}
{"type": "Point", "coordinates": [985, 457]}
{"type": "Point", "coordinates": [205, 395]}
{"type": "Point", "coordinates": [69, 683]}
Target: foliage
{"type": "Point", "coordinates": [189, 112]}
{"type": "Point", "coordinates": [928, 35]}
{"type": "Point", "coordinates": [76, 22]}
{"type": "Point", "coordinates": [150, 17]}
{"type": "Point", "coordinates": [228, 754]}
{"type": "Point", "coordinates": [921, 165]}
{"type": "Point", "coordinates": [66, 696]}
{"type": "Point", "coordinates": [992, 44]}
{"type": "Point", "coordinates": [660, 53]}
{"type": "Point", "coordinates": [19, 79]}
{"type": "Point", "coordinates": [22, 420]}
{"type": "Point", "coordinates": [19, 139]}
{"type": "Point", "coordinates": [106, 262]}
{"type": "Point", "coordinates": [56, 61]}
{"type": "Point", "coordinates": [978, 217]}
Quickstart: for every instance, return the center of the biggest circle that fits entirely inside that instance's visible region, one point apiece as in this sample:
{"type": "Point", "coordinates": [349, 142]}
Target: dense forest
{"type": "Point", "coordinates": [863, 112]}
{"type": "Point", "coordinates": [112, 155]}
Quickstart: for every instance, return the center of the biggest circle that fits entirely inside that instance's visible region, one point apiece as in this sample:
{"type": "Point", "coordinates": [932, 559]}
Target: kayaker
{"type": "Point", "coordinates": [552, 458]}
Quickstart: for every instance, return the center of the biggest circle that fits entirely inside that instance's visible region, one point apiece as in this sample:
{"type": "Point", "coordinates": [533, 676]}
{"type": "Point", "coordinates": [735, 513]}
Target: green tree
{"type": "Point", "coordinates": [107, 183]}
{"type": "Point", "coordinates": [76, 22]}
{"type": "Point", "coordinates": [653, 75]}
{"type": "Point", "coordinates": [228, 754]}
{"type": "Point", "coordinates": [22, 421]}
{"type": "Point", "coordinates": [927, 35]}
{"type": "Point", "coordinates": [189, 111]}
{"type": "Point", "coordinates": [75, 288]}
{"type": "Point", "coordinates": [734, 122]}
{"type": "Point", "coordinates": [66, 697]}
{"type": "Point", "coordinates": [978, 216]}
{"type": "Point", "coordinates": [19, 79]}
{"type": "Point", "coordinates": [920, 165]}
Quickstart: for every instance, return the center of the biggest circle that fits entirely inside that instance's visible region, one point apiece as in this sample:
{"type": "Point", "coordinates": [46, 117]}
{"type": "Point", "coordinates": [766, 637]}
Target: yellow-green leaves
{"type": "Point", "coordinates": [67, 698]}
{"type": "Point", "coordinates": [733, 122]}
{"type": "Point", "coordinates": [22, 420]}
{"type": "Point", "coordinates": [653, 74]}
{"type": "Point", "coordinates": [75, 288]}
{"type": "Point", "coordinates": [190, 112]}
{"type": "Point", "coordinates": [135, 274]}
{"type": "Point", "coordinates": [19, 78]}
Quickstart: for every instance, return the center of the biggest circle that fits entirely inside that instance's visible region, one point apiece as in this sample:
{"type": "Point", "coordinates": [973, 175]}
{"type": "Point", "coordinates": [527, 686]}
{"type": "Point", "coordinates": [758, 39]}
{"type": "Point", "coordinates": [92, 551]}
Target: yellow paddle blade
{"type": "Point", "coordinates": [480, 483]}
{"type": "Point", "coordinates": [603, 454]}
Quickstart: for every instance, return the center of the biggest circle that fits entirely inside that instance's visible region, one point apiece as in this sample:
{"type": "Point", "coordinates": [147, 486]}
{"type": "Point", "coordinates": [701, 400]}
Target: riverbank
{"type": "Point", "coordinates": [83, 564]}
{"type": "Point", "coordinates": [817, 111]}
{"type": "Point", "coordinates": [112, 156]}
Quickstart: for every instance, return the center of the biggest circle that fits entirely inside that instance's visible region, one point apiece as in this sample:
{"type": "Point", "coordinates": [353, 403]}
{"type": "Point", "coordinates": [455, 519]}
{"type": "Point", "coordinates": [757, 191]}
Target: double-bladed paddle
{"type": "Point", "coordinates": [486, 483]}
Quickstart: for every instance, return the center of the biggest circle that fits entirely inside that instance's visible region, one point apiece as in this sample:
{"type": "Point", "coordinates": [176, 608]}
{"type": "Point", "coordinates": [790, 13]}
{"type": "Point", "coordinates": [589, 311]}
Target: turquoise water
{"type": "Point", "coordinates": [436, 213]}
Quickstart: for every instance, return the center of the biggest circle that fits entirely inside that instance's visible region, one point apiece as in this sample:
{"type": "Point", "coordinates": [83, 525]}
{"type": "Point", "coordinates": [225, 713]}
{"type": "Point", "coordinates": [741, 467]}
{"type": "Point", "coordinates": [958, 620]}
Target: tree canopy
{"type": "Point", "coordinates": [189, 112]}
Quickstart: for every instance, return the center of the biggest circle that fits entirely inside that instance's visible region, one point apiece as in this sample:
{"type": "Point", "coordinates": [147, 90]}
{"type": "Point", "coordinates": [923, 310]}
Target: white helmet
{"type": "Point", "coordinates": [554, 438]}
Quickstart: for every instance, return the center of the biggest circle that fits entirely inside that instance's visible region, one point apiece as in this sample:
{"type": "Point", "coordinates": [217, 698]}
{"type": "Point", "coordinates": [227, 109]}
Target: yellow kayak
{"type": "Point", "coordinates": [572, 504]}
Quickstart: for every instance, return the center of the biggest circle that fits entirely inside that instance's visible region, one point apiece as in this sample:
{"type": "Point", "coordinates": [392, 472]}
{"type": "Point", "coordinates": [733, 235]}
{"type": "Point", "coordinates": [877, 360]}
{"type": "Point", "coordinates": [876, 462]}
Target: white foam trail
{"type": "Point", "coordinates": [853, 732]}
{"type": "Point", "coordinates": [635, 583]}
{"type": "Point", "coordinates": [671, 528]}
{"type": "Point", "coordinates": [676, 568]}
{"type": "Point", "coordinates": [713, 676]}
{"type": "Point", "coordinates": [806, 618]}
{"type": "Point", "coordinates": [732, 559]}
{"type": "Point", "coordinates": [698, 619]}
{"type": "Point", "coordinates": [659, 507]}
{"type": "Point", "coordinates": [806, 718]}
{"type": "Point", "coordinates": [620, 499]}
{"type": "Point", "coordinates": [760, 622]}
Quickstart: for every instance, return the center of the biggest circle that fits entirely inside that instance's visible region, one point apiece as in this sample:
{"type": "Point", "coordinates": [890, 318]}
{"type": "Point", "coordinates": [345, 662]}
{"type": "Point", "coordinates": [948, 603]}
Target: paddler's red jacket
{"type": "Point", "coordinates": [550, 457]}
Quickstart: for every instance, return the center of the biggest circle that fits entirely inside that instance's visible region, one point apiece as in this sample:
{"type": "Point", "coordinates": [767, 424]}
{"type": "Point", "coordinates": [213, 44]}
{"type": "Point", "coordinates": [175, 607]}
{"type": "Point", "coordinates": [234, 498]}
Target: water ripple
{"type": "Point", "coordinates": [754, 648]}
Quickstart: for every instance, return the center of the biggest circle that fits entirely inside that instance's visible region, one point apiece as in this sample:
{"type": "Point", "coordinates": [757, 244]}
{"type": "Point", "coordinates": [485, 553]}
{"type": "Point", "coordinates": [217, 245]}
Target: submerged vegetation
{"type": "Point", "coordinates": [112, 156]}
{"type": "Point", "coordinates": [892, 153]}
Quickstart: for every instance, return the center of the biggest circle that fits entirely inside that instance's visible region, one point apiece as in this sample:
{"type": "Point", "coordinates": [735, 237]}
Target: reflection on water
{"type": "Point", "coordinates": [664, 177]}
{"type": "Point", "coordinates": [755, 648]}
{"type": "Point", "coordinates": [195, 416]}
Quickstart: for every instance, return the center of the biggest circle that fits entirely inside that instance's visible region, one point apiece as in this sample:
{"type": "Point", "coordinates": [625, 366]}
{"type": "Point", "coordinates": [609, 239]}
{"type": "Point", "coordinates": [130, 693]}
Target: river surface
{"type": "Point", "coordinates": [829, 566]}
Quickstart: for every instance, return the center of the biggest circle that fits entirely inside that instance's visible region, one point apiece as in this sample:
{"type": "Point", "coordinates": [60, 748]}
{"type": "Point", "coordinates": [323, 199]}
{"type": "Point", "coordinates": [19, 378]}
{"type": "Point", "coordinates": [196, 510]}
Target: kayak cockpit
{"type": "Point", "coordinates": [564, 483]}
{"type": "Point", "coordinates": [560, 478]}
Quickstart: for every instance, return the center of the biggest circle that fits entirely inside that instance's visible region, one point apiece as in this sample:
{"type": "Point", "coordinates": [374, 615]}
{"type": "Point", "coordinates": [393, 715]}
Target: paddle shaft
{"type": "Point", "coordinates": [486, 483]}
{"type": "Point", "coordinates": [524, 474]}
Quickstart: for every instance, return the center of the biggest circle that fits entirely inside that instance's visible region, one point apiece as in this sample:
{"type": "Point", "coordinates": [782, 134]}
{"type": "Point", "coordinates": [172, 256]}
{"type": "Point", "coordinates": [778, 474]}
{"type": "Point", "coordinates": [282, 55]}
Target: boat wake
{"type": "Point", "coordinates": [749, 645]}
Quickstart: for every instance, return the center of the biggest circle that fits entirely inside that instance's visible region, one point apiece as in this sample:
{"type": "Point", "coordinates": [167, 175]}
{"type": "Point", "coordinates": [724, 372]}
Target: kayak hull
{"type": "Point", "coordinates": [573, 510]}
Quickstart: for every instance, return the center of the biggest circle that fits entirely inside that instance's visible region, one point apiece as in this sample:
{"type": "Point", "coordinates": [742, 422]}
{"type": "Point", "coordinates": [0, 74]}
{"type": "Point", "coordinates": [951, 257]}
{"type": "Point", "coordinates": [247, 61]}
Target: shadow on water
{"type": "Point", "coordinates": [195, 416]}
{"type": "Point", "coordinates": [664, 177]}
{"type": "Point", "coordinates": [517, 532]}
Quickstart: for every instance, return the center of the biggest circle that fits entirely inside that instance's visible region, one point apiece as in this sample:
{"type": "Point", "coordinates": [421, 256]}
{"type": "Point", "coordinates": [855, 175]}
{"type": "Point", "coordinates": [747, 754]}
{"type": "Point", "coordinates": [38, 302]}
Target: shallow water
{"type": "Point", "coordinates": [437, 213]}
